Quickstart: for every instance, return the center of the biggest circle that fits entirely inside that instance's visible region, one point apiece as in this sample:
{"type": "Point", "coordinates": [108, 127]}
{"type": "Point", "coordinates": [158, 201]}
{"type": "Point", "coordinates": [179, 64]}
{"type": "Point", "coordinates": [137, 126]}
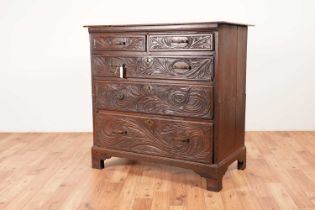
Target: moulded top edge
{"type": "Point", "coordinates": [164, 26]}
{"type": "Point", "coordinates": [170, 24]}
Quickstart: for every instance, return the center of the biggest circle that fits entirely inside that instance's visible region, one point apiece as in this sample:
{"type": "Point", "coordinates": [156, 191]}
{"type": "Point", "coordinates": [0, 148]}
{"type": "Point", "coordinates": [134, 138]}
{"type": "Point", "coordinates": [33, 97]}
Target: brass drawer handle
{"type": "Point", "coordinates": [120, 132]}
{"type": "Point", "coordinates": [148, 60]}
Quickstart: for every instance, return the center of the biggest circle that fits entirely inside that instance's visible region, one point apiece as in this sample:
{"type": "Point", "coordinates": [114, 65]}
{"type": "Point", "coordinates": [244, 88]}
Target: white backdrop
{"type": "Point", "coordinates": [45, 66]}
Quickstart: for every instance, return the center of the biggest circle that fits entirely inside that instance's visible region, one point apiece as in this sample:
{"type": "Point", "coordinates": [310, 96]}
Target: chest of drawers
{"type": "Point", "coordinates": [170, 93]}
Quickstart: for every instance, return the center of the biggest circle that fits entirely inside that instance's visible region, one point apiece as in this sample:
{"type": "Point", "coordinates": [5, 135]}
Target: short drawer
{"type": "Point", "coordinates": [107, 42]}
{"type": "Point", "coordinates": [153, 98]}
{"type": "Point", "coordinates": [185, 140]}
{"type": "Point", "coordinates": [181, 42]}
{"type": "Point", "coordinates": [185, 68]}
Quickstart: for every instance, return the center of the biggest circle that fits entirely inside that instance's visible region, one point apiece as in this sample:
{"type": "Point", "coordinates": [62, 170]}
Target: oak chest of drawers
{"type": "Point", "coordinates": [170, 93]}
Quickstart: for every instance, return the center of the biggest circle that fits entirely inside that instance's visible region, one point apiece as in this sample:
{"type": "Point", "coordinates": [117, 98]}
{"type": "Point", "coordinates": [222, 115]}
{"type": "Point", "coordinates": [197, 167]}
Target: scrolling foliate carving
{"type": "Point", "coordinates": [179, 140]}
{"type": "Point", "coordinates": [189, 42]}
{"type": "Point", "coordinates": [119, 43]}
{"type": "Point", "coordinates": [156, 67]}
{"type": "Point", "coordinates": [190, 101]}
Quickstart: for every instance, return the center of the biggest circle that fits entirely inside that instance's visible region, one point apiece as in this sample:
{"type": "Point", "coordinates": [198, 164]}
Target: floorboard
{"type": "Point", "coordinates": [53, 171]}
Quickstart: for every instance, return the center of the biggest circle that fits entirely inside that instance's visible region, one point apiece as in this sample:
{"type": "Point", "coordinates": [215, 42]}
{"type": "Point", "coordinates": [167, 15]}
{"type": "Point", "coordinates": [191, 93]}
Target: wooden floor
{"type": "Point", "coordinates": [53, 171]}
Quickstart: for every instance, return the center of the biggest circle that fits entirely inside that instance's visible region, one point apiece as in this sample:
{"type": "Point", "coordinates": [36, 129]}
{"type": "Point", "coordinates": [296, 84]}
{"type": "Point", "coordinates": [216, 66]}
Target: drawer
{"type": "Point", "coordinates": [181, 42]}
{"type": "Point", "coordinates": [106, 42]}
{"type": "Point", "coordinates": [186, 68]}
{"type": "Point", "coordinates": [153, 98]}
{"type": "Point", "coordinates": [184, 140]}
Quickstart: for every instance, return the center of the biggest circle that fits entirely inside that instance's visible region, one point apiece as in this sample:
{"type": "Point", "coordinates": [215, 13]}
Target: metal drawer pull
{"type": "Point", "coordinates": [148, 60]}
{"type": "Point", "coordinates": [120, 132]}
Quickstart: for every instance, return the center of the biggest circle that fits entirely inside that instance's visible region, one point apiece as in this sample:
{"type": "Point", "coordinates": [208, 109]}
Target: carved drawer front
{"type": "Point", "coordinates": [184, 140]}
{"type": "Point", "coordinates": [177, 100]}
{"type": "Point", "coordinates": [188, 68]}
{"type": "Point", "coordinates": [131, 43]}
{"type": "Point", "coordinates": [181, 42]}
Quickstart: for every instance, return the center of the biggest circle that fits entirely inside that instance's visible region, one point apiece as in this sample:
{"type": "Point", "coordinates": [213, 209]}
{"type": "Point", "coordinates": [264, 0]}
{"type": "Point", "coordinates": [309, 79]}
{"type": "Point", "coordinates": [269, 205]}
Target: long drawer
{"type": "Point", "coordinates": [186, 68]}
{"type": "Point", "coordinates": [155, 98]}
{"type": "Point", "coordinates": [184, 140]}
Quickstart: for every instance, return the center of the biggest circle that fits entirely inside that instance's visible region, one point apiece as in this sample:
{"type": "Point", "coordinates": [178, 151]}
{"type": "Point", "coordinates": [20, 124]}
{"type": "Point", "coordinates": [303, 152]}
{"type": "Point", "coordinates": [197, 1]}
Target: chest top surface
{"type": "Point", "coordinates": [161, 26]}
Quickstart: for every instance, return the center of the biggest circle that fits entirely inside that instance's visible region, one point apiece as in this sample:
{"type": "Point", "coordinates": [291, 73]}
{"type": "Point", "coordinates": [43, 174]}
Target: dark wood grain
{"type": "Point", "coordinates": [181, 42]}
{"type": "Point", "coordinates": [241, 85]}
{"type": "Point", "coordinates": [164, 27]}
{"type": "Point", "coordinates": [185, 68]}
{"type": "Point", "coordinates": [177, 100]}
{"type": "Point", "coordinates": [108, 42]}
{"type": "Point", "coordinates": [153, 136]}
{"type": "Point", "coordinates": [181, 100]}
{"type": "Point", "coordinates": [230, 91]}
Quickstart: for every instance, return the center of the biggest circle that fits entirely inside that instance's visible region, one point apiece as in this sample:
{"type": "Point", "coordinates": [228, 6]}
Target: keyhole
{"type": "Point", "coordinates": [186, 140]}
